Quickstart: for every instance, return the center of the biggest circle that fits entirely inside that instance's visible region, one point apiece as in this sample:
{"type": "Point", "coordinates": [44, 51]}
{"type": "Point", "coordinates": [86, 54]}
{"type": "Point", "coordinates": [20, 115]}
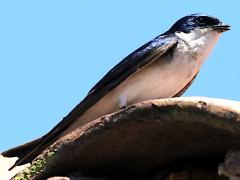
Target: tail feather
{"type": "Point", "coordinates": [21, 151]}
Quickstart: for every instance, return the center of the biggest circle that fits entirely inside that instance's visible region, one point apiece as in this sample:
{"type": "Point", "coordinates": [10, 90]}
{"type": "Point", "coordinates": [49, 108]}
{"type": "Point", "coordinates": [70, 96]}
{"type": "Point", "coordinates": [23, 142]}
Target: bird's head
{"type": "Point", "coordinates": [199, 31]}
{"type": "Point", "coordinates": [198, 22]}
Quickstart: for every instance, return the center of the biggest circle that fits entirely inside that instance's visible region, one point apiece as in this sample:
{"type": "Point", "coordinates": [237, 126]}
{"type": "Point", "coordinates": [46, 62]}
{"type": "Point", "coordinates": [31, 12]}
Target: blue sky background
{"type": "Point", "coordinates": [53, 52]}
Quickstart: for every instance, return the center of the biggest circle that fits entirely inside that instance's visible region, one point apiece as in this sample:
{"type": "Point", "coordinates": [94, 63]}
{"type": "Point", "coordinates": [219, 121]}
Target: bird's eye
{"type": "Point", "coordinates": [204, 20]}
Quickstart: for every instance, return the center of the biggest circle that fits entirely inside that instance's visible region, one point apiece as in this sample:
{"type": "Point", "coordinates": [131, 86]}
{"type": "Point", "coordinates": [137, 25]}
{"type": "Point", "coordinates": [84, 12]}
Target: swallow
{"type": "Point", "coordinates": [162, 68]}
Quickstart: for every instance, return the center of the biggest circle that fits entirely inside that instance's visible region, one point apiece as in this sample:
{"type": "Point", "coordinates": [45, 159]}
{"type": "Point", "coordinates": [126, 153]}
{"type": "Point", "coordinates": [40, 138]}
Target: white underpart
{"type": "Point", "coordinates": [162, 79]}
{"type": "Point", "coordinates": [167, 79]}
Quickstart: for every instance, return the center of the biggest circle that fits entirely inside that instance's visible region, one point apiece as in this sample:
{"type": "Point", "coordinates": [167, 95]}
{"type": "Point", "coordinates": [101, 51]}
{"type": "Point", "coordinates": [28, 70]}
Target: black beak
{"type": "Point", "coordinates": [221, 27]}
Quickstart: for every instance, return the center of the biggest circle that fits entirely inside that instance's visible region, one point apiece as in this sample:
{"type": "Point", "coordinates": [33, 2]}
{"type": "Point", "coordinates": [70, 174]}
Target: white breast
{"type": "Point", "coordinates": [164, 78]}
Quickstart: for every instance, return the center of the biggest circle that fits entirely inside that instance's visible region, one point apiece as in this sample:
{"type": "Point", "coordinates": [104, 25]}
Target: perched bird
{"type": "Point", "coordinates": [162, 68]}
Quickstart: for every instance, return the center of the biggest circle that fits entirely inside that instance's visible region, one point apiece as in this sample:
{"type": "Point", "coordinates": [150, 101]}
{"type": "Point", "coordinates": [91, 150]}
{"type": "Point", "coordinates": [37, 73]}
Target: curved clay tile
{"type": "Point", "coordinates": [159, 139]}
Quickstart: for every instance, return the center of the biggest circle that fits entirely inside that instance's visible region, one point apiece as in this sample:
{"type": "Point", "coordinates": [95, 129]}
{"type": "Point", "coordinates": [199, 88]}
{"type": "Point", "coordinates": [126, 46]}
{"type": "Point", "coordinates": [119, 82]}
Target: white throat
{"type": "Point", "coordinates": [199, 41]}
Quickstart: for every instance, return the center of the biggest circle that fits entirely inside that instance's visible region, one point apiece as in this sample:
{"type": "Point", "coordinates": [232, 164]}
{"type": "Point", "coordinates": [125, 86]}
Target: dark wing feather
{"type": "Point", "coordinates": [131, 64]}
{"type": "Point", "coordinates": [138, 59]}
